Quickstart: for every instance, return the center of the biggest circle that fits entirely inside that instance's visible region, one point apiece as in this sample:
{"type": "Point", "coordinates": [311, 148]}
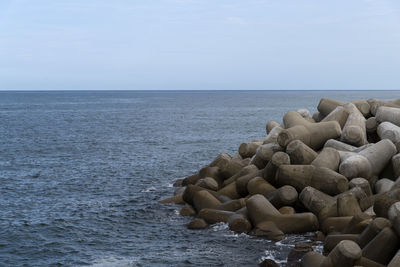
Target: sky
{"type": "Point", "coordinates": [199, 44]}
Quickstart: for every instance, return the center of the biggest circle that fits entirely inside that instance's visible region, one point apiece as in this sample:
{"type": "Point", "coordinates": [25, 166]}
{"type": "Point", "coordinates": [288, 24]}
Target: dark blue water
{"type": "Point", "coordinates": [81, 174]}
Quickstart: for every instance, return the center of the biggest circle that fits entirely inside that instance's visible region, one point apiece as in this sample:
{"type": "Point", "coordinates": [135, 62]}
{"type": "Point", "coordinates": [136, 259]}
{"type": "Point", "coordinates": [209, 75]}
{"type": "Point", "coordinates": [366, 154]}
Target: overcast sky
{"type": "Point", "coordinates": [199, 44]}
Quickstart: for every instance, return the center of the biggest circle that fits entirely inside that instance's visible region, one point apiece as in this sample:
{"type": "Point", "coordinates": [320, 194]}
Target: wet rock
{"type": "Point", "coordinates": [197, 224]}
{"type": "Point", "coordinates": [297, 253]}
{"type": "Point", "coordinates": [268, 263]}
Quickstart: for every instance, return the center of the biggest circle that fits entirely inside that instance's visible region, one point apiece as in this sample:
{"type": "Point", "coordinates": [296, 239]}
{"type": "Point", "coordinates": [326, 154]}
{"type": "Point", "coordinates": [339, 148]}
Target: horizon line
{"type": "Point", "coordinates": [179, 90]}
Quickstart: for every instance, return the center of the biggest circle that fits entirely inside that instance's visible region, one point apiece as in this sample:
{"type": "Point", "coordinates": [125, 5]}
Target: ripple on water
{"type": "Point", "coordinates": [81, 174]}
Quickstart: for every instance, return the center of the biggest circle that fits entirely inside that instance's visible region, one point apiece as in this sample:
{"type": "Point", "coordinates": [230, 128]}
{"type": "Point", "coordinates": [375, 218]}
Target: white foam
{"type": "Point", "coordinates": [270, 254]}
{"type": "Point", "coordinates": [220, 226]}
{"type": "Point", "coordinates": [319, 247]}
{"type": "Point", "coordinates": [150, 189]}
{"type": "Point", "coordinates": [111, 261]}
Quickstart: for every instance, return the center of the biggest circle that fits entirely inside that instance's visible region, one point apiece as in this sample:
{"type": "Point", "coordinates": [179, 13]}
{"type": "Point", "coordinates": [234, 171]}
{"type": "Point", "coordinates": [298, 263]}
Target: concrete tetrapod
{"type": "Point", "coordinates": [226, 165]}
{"type": "Point", "coordinates": [207, 171]}
{"type": "Point", "coordinates": [388, 114]}
{"type": "Point", "coordinates": [203, 199]}
{"type": "Point", "coordinates": [384, 201]}
{"type": "Point", "coordinates": [375, 104]}
{"type": "Point", "coordinates": [363, 106]}
{"type": "Point", "coordinates": [287, 210]}
{"type": "Point", "coordinates": [264, 154]}
{"type": "Point", "coordinates": [383, 247]}
{"type": "Point", "coordinates": [271, 125]}
{"type": "Point", "coordinates": [357, 224]}
{"type": "Point", "coordinates": [284, 196]}
{"type": "Point", "coordinates": [340, 146]}
{"type": "Point", "coordinates": [319, 203]}
{"type": "Point", "coordinates": [208, 183]}
{"type": "Point", "coordinates": [321, 178]}
{"type": "Point", "coordinates": [344, 255]}
{"type": "Point", "coordinates": [293, 118]}
{"type": "Point", "coordinates": [371, 125]}
{"type": "Point", "coordinates": [261, 210]}
{"type": "Point", "coordinates": [317, 117]}
{"type": "Point", "coordinates": [396, 165]}
{"type": "Point", "coordinates": [333, 239]}
{"type": "Point", "coordinates": [248, 149]}
{"type": "Point", "coordinates": [312, 259]}
{"type": "Point", "coordinates": [339, 114]}
{"type": "Point", "coordinates": [394, 216]}
{"type": "Point", "coordinates": [328, 158]}
{"type": "Point", "coordinates": [372, 230]}
{"type": "Point", "coordinates": [305, 113]}
{"type": "Point", "coordinates": [188, 194]}
{"type": "Point", "coordinates": [272, 137]}
{"type": "Point", "coordinates": [383, 185]}
{"type": "Point", "coordinates": [395, 262]}
{"type": "Point", "coordinates": [354, 131]}
{"type": "Point", "coordinates": [258, 185]}
{"type": "Point", "coordinates": [362, 183]}
{"type": "Point", "coordinates": [388, 130]}
{"type": "Point", "coordinates": [313, 135]}
{"type": "Point", "coordinates": [241, 182]}
{"type": "Point", "coordinates": [244, 171]}
{"type": "Point", "coordinates": [335, 224]}
{"type": "Point", "coordinates": [278, 159]}
{"type": "Point", "coordinates": [327, 105]}
{"type": "Point", "coordinates": [229, 191]}
{"type": "Point", "coordinates": [232, 205]}
{"type": "Point", "coordinates": [371, 160]}
{"type": "Point", "coordinates": [239, 223]}
{"type": "Point", "coordinates": [212, 216]}
{"type": "Point", "coordinates": [347, 205]}
{"type": "Point", "coordinates": [300, 153]}
{"type": "Point", "coordinates": [325, 206]}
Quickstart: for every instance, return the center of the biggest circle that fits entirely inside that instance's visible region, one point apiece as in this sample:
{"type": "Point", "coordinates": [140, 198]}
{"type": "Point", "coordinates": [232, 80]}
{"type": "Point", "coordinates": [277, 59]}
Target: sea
{"type": "Point", "coordinates": [81, 173]}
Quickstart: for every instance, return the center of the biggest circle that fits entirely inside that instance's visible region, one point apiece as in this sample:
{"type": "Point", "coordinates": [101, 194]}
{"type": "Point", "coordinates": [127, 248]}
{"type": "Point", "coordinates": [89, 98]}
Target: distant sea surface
{"type": "Point", "coordinates": [81, 173]}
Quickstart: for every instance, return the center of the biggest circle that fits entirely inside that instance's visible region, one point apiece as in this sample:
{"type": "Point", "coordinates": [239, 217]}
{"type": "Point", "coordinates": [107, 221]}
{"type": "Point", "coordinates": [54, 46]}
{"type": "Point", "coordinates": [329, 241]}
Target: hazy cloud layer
{"type": "Point", "coordinates": [199, 44]}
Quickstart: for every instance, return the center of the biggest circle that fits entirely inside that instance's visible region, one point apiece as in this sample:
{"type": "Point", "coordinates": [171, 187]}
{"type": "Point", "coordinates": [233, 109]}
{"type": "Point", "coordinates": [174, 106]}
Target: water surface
{"type": "Point", "coordinates": [81, 173]}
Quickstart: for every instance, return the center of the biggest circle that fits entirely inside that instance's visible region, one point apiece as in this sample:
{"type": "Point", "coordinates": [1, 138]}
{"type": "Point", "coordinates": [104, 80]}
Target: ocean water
{"type": "Point", "coordinates": [81, 174]}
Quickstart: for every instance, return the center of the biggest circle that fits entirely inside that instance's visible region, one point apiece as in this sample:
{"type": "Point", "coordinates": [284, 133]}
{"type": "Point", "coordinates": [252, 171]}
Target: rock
{"type": "Point", "coordinates": [268, 263]}
{"type": "Point", "coordinates": [344, 254]}
{"type": "Point", "coordinates": [297, 253]}
{"type": "Point", "coordinates": [197, 224]}
{"type": "Point", "coordinates": [187, 210]}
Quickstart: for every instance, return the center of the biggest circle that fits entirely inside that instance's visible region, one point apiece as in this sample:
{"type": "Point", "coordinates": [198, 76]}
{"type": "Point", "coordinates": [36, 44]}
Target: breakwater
{"type": "Point", "coordinates": [334, 172]}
